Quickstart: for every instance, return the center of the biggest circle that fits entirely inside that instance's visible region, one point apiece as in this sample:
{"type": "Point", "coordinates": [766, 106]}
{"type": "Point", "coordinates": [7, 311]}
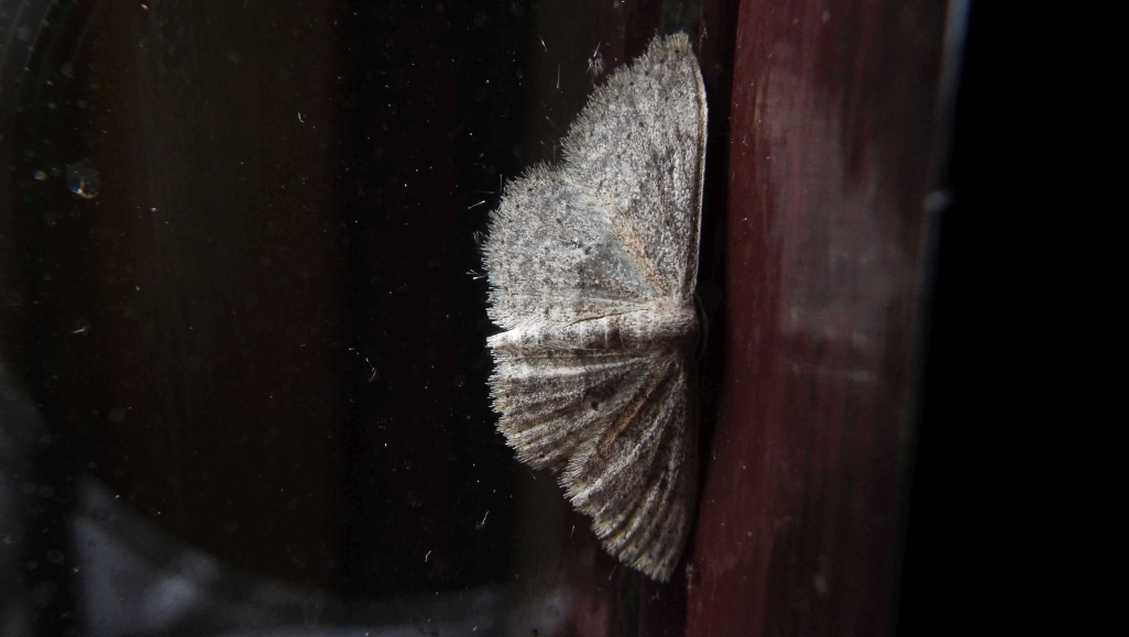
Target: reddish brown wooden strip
{"type": "Point", "coordinates": [830, 158]}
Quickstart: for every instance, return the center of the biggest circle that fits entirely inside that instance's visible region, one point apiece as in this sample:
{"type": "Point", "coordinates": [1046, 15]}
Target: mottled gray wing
{"type": "Point", "coordinates": [617, 224]}
{"type": "Point", "coordinates": [551, 256]}
{"type": "Point", "coordinates": [640, 144]}
{"type": "Point", "coordinates": [619, 430]}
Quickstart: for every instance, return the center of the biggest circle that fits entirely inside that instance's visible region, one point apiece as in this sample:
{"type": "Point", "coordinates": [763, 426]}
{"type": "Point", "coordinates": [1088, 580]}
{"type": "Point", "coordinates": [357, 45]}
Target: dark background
{"type": "Point", "coordinates": [241, 282]}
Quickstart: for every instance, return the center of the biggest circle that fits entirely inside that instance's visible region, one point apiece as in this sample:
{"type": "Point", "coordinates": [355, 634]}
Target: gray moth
{"type": "Point", "coordinates": [592, 268]}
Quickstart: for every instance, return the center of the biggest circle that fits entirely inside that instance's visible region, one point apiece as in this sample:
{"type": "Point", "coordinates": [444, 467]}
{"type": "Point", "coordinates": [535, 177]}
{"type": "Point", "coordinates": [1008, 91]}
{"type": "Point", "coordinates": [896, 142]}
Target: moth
{"type": "Point", "coordinates": [592, 269]}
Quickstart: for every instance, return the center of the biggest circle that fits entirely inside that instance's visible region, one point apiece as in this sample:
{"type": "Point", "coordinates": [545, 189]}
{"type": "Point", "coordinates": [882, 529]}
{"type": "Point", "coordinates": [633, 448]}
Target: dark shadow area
{"type": "Point", "coordinates": [938, 572]}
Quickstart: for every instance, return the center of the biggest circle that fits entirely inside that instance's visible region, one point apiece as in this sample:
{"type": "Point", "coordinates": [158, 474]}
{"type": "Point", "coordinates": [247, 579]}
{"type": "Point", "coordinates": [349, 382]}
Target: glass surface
{"type": "Point", "coordinates": [242, 363]}
{"type": "Point", "coordinates": [242, 315]}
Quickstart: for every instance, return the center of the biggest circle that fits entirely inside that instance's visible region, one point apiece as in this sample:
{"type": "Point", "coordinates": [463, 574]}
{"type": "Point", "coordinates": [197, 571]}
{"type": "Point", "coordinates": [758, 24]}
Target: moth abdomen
{"type": "Point", "coordinates": [653, 327]}
{"type": "Point", "coordinates": [646, 329]}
